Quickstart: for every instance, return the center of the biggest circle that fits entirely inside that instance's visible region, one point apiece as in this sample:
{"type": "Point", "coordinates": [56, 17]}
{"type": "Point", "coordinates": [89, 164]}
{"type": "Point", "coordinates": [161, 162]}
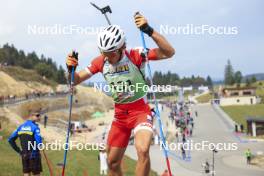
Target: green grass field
{"type": "Point", "coordinates": [79, 163]}
{"type": "Point", "coordinates": [239, 113]}
{"type": "Point", "coordinates": [205, 98]}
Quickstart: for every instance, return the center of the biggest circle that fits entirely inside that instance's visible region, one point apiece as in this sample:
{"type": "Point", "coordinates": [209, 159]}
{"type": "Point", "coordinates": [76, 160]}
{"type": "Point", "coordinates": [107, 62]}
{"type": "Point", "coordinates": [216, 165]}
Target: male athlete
{"type": "Point", "coordinates": [124, 72]}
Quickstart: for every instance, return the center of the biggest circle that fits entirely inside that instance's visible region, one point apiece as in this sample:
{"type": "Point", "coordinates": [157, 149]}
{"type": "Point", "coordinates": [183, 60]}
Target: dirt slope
{"type": "Point", "coordinates": [9, 86]}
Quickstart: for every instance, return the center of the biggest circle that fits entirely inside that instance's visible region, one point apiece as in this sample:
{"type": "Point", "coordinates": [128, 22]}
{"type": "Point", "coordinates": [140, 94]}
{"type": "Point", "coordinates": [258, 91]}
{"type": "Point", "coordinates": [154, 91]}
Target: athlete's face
{"type": "Point", "coordinates": [114, 56]}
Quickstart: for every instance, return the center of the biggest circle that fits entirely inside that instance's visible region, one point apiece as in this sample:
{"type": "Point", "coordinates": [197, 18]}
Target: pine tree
{"type": "Point", "coordinates": [60, 77]}
{"type": "Point", "coordinates": [248, 82]}
{"type": "Point", "coordinates": [238, 78]}
{"type": "Point", "coordinates": [209, 82]}
{"type": "Point", "coordinates": [44, 66]}
{"type": "Point", "coordinates": [229, 73]}
{"type": "Point", "coordinates": [253, 79]}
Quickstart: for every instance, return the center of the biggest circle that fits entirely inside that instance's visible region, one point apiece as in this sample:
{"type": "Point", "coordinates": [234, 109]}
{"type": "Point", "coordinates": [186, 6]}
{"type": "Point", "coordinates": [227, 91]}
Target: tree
{"type": "Point", "coordinates": [44, 70]}
{"type": "Point", "coordinates": [60, 77]}
{"type": "Point", "coordinates": [248, 82]}
{"type": "Point", "coordinates": [238, 78]}
{"type": "Point", "coordinates": [229, 73]}
{"type": "Point", "coordinates": [253, 79]}
{"type": "Point", "coordinates": [44, 66]}
{"type": "Point", "coordinates": [32, 59]}
{"type": "Point", "coordinates": [209, 82]}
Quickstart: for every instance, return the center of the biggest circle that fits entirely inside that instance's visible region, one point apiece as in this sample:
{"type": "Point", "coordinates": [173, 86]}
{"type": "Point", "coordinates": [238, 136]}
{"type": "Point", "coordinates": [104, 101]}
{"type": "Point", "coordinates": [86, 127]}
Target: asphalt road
{"type": "Point", "coordinates": [209, 126]}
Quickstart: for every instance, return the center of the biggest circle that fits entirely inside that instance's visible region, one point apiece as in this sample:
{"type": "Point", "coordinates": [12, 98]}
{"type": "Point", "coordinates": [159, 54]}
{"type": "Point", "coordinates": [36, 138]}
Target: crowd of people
{"type": "Point", "coordinates": [10, 99]}
{"type": "Point", "coordinates": [181, 116]}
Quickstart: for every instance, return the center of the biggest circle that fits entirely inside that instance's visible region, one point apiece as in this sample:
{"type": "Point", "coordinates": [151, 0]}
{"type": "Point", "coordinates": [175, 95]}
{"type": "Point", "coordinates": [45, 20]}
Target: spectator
{"type": "Point", "coordinates": [28, 133]}
{"type": "Point", "coordinates": [177, 136]}
{"type": "Point", "coordinates": [206, 167]}
{"type": "Point", "coordinates": [103, 162]}
{"type": "Point", "coordinates": [191, 121]}
{"type": "Point", "coordinates": [191, 132]}
{"type": "Point", "coordinates": [183, 153]}
{"type": "Point", "coordinates": [45, 121]}
{"type": "Point", "coordinates": [236, 128]}
{"type": "Point", "coordinates": [242, 128]}
{"type": "Point", "coordinates": [248, 155]}
{"type": "Point", "coordinates": [183, 138]}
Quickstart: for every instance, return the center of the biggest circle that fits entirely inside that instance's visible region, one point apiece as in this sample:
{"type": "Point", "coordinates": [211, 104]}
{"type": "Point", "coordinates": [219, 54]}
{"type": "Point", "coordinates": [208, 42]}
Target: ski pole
{"type": "Point", "coordinates": [164, 146]}
{"type": "Point", "coordinates": [75, 55]}
{"type": "Point", "coordinates": [103, 10]}
{"type": "Point", "coordinates": [48, 163]}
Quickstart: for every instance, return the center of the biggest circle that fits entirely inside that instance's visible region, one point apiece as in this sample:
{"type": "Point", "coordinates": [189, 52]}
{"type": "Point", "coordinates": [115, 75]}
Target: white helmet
{"type": "Point", "coordinates": [111, 38]}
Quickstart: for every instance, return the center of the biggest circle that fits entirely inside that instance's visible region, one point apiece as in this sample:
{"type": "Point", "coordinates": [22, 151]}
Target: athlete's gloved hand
{"type": "Point", "coordinates": [72, 61]}
{"type": "Point", "coordinates": [142, 24]}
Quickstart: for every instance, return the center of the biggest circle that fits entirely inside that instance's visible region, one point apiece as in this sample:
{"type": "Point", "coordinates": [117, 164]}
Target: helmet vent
{"type": "Point", "coordinates": [117, 40]}
{"type": "Point", "coordinates": [117, 31]}
{"type": "Point", "coordinates": [100, 41]}
{"type": "Point", "coordinates": [106, 42]}
{"type": "Point", "coordinates": [112, 41]}
{"type": "Point", "coordinates": [112, 48]}
{"type": "Point", "coordinates": [113, 29]}
{"type": "Point", "coordinates": [109, 28]}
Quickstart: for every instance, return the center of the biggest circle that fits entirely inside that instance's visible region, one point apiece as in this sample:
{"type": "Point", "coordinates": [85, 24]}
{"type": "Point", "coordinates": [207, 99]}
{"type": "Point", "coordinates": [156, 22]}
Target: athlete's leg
{"type": "Point", "coordinates": [142, 143]}
{"type": "Point", "coordinates": [117, 141]}
{"type": "Point", "coordinates": [114, 158]}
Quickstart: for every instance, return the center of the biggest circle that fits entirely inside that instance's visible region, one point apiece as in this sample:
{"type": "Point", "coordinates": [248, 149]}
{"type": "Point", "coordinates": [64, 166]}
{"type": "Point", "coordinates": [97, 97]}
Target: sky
{"type": "Point", "coordinates": [236, 31]}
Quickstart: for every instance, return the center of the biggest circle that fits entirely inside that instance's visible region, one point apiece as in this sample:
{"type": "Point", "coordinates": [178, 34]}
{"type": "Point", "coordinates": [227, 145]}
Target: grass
{"type": "Point", "coordinates": [21, 74]}
{"type": "Point", "coordinates": [260, 90]}
{"type": "Point", "coordinates": [239, 113]}
{"type": "Point", "coordinates": [205, 98]}
{"type": "Point", "coordinates": [79, 163]}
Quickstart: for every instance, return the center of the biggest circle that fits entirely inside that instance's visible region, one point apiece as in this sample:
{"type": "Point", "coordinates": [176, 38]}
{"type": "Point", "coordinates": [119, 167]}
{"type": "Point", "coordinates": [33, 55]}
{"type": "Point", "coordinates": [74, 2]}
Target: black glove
{"type": "Point", "coordinates": [142, 24]}
{"type": "Point", "coordinates": [147, 29]}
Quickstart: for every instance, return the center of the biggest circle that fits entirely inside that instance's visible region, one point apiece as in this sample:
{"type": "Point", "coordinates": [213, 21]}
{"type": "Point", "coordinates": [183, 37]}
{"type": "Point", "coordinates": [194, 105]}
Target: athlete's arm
{"type": "Point", "coordinates": [164, 50]}
{"type": "Point", "coordinates": [80, 76]}
{"type": "Point", "coordinates": [95, 67]}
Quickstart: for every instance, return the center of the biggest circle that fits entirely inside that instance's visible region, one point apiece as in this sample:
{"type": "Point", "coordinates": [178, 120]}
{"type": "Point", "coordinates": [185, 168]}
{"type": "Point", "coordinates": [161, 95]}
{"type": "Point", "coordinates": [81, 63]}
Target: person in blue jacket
{"type": "Point", "coordinates": [29, 134]}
